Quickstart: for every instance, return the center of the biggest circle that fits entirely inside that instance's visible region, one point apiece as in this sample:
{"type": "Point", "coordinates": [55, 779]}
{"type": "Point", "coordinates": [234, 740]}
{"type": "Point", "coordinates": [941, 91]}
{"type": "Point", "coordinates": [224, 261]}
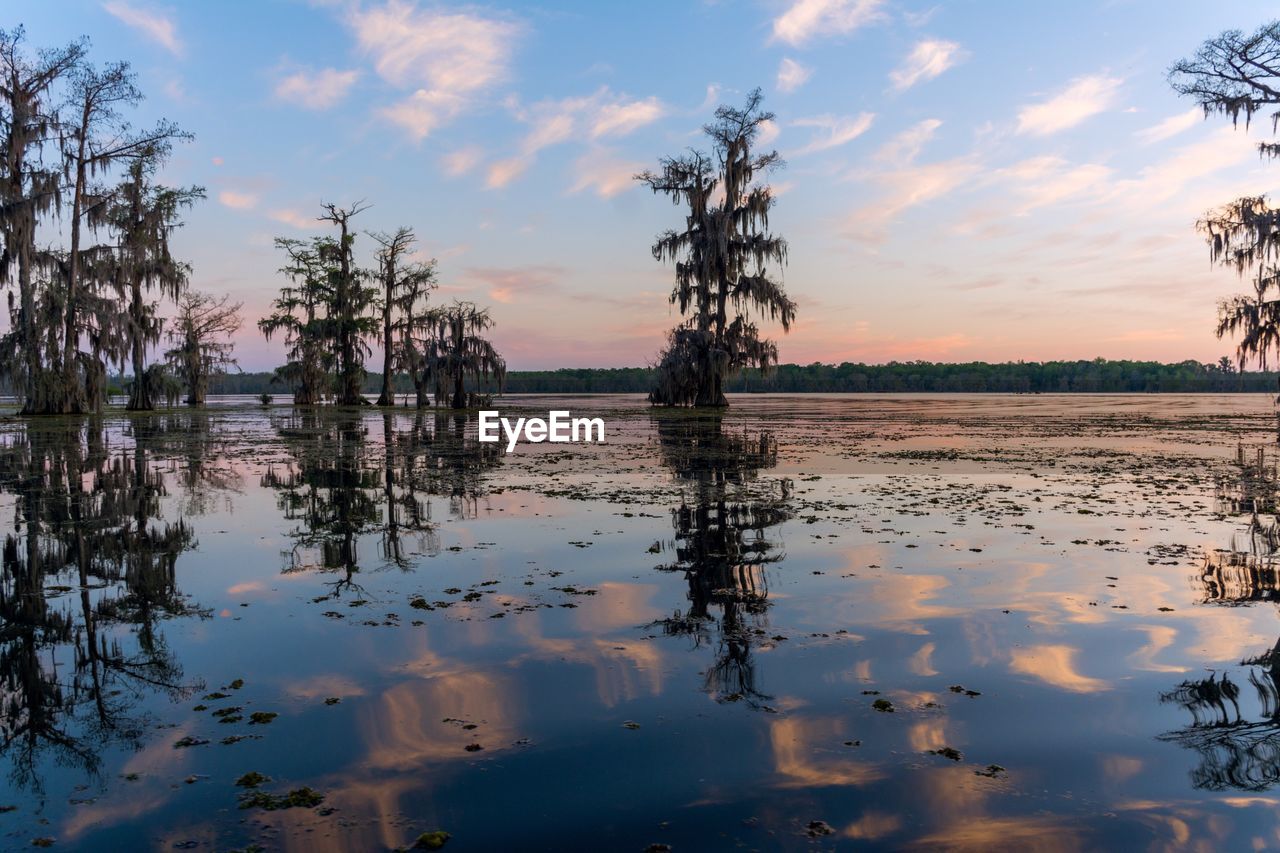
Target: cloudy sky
{"type": "Point", "coordinates": [982, 180]}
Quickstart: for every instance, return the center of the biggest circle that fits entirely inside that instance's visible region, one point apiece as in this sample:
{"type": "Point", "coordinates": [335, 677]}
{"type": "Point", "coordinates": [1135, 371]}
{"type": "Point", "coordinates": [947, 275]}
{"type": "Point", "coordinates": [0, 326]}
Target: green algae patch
{"type": "Point", "coordinates": [299, 798]}
{"type": "Point", "coordinates": [433, 840]}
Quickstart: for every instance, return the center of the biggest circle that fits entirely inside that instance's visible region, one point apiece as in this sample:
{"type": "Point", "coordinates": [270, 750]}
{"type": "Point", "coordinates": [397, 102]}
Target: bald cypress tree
{"type": "Point", "coordinates": [30, 187]}
{"type": "Point", "coordinates": [405, 284]}
{"type": "Point", "coordinates": [1236, 76]}
{"type": "Point", "coordinates": [350, 322]}
{"type": "Point", "coordinates": [453, 351]}
{"type": "Point", "coordinates": [299, 313]}
{"type": "Point", "coordinates": [722, 259]}
{"type": "Point", "coordinates": [95, 137]}
{"type": "Point", "coordinates": [144, 215]}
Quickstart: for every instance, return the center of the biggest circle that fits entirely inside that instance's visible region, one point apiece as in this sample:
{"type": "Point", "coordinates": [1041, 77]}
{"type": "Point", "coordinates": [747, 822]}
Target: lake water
{"type": "Point", "coordinates": [935, 621]}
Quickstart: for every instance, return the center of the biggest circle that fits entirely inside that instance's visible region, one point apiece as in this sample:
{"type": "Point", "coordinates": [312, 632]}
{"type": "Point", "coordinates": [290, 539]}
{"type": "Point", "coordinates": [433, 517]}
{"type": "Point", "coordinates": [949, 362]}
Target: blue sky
{"type": "Point", "coordinates": [982, 180]}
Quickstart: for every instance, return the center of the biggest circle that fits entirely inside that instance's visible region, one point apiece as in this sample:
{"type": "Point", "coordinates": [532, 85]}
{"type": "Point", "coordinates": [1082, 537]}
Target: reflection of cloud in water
{"type": "Point", "coordinates": [960, 819]}
{"type": "Point", "coordinates": [872, 825]}
{"type": "Point", "coordinates": [617, 606]}
{"type": "Point", "coordinates": [378, 801]}
{"type": "Point", "coordinates": [1180, 822]}
{"type": "Point", "coordinates": [404, 726]}
{"type": "Point", "coordinates": [1054, 665]}
{"type": "Point", "coordinates": [1225, 635]}
{"type": "Point", "coordinates": [983, 832]}
{"type": "Point", "coordinates": [324, 686]}
{"type": "Point", "coordinates": [905, 602]}
{"type": "Point", "coordinates": [921, 663]}
{"type": "Point", "coordinates": [928, 735]}
{"type": "Point", "coordinates": [803, 756]}
{"type": "Point", "coordinates": [1159, 638]}
{"type": "Point", "coordinates": [623, 671]}
{"type": "Point", "coordinates": [156, 763]}
{"type": "Point", "coordinates": [1120, 768]}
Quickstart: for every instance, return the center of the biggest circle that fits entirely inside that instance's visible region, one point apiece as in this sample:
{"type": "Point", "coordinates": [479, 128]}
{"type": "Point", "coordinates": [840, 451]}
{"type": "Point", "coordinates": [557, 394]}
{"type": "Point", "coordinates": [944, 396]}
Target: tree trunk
{"type": "Point", "coordinates": [350, 373]}
{"type": "Point", "coordinates": [459, 393]}
{"type": "Point", "coordinates": [140, 393]}
{"type": "Point", "coordinates": [386, 398]}
{"type": "Point", "coordinates": [73, 397]}
{"type": "Point", "coordinates": [35, 402]}
{"type": "Point", "coordinates": [420, 390]}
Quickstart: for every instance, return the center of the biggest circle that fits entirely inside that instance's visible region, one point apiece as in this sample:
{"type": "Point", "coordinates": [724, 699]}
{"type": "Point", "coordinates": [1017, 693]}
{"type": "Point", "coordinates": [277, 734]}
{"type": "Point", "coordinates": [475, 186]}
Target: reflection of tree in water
{"type": "Point", "coordinates": [85, 580]}
{"type": "Point", "coordinates": [1250, 487]}
{"type": "Point", "coordinates": [196, 441]}
{"type": "Point", "coordinates": [340, 486]}
{"type": "Point", "coordinates": [450, 461]}
{"type": "Point", "coordinates": [1239, 746]}
{"type": "Point", "coordinates": [722, 543]}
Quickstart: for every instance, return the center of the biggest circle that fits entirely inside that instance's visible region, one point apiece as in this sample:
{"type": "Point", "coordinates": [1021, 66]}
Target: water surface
{"type": "Point", "coordinates": [952, 621]}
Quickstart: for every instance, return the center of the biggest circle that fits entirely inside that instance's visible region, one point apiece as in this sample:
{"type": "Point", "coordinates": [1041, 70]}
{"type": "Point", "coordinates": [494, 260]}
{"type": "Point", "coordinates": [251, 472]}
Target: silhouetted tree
{"type": "Point", "coordinates": [144, 215]}
{"type": "Point", "coordinates": [29, 188]}
{"type": "Point", "coordinates": [95, 137]}
{"type": "Point", "coordinates": [404, 286]}
{"type": "Point", "coordinates": [299, 312]}
{"type": "Point", "coordinates": [326, 313]}
{"type": "Point", "coordinates": [349, 322]}
{"type": "Point", "coordinates": [721, 259]}
{"type": "Point", "coordinates": [200, 335]}
{"type": "Point", "coordinates": [454, 352]}
{"type": "Point", "coordinates": [1236, 75]}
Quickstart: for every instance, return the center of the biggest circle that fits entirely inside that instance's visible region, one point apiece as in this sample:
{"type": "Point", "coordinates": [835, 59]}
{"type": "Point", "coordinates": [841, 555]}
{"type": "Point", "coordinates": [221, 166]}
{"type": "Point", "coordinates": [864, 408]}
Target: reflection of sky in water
{"type": "Point", "coordinates": [743, 603]}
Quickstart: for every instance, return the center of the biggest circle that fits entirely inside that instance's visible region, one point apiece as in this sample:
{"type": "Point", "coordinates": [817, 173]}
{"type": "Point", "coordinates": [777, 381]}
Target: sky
{"type": "Point", "coordinates": [963, 181]}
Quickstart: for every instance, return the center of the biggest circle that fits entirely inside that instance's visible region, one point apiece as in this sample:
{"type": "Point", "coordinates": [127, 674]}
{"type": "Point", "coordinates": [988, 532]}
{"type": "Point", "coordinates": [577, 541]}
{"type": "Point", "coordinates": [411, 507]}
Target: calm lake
{"type": "Point", "coordinates": [936, 621]}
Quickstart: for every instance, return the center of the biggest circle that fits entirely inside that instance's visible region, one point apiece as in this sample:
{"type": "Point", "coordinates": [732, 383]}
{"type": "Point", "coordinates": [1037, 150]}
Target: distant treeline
{"type": "Point", "coordinates": [1097, 376]}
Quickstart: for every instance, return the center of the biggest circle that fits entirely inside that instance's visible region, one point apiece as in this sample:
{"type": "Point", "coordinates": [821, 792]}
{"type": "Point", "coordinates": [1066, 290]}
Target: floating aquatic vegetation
{"type": "Point", "coordinates": [303, 797]}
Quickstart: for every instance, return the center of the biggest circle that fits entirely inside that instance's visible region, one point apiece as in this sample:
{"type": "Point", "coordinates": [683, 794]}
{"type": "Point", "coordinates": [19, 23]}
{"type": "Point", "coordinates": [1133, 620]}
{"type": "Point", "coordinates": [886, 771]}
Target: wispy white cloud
{"type": "Point", "coordinates": [1048, 180]}
{"type": "Point", "coordinates": [905, 188]}
{"type": "Point", "coordinates": [293, 218]}
{"type": "Point", "coordinates": [553, 122]}
{"type": "Point", "coordinates": [1167, 179]}
{"type": "Point", "coordinates": [505, 171]}
{"type": "Point", "coordinates": [769, 131]}
{"type": "Point", "coordinates": [423, 111]}
{"type": "Point", "coordinates": [927, 60]}
{"type": "Point", "coordinates": [316, 90]}
{"type": "Point", "coordinates": [604, 173]}
{"type": "Point", "coordinates": [920, 19]}
{"type": "Point", "coordinates": [837, 131]}
{"type": "Point", "coordinates": [1171, 126]}
{"type": "Point", "coordinates": [462, 161]}
{"type": "Point", "coordinates": [792, 75]}
{"type": "Point", "coordinates": [1083, 97]}
{"type": "Point", "coordinates": [619, 119]}
{"type": "Point", "coordinates": [805, 19]}
{"type": "Point", "coordinates": [712, 96]}
{"type": "Point", "coordinates": [904, 147]}
{"type": "Point", "coordinates": [512, 284]}
{"type": "Point", "coordinates": [903, 184]}
{"type": "Point", "coordinates": [156, 25]}
{"type": "Point", "coordinates": [238, 200]}
{"type": "Point", "coordinates": [449, 56]}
